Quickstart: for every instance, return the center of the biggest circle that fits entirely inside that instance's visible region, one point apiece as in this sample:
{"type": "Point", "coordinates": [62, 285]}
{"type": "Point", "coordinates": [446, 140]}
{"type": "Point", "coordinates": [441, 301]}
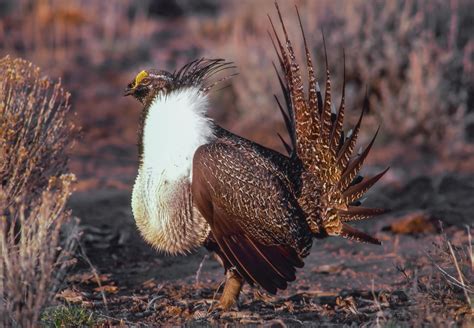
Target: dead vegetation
{"type": "Point", "coordinates": [35, 132]}
{"type": "Point", "coordinates": [412, 56]}
{"type": "Point", "coordinates": [442, 291]}
{"type": "Point", "coordinates": [36, 234]}
{"type": "Point", "coordinates": [433, 291]}
{"type": "Point", "coordinates": [57, 35]}
{"type": "Point", "coordinates": [415, 57]}
{"type": "Point", "coordinates": [449, 289]}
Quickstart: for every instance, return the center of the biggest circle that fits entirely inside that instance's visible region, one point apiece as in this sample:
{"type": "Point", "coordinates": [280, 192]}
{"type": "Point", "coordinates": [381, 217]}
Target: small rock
{"type": "Point", "coordinates": [328, 268]}
{"type": "Point", "coordinates": [414, 223]}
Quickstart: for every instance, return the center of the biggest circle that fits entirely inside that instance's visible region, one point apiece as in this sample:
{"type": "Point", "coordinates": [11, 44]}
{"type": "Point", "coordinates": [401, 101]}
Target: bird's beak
{"type": "Point", "coordinates": [128, 91]}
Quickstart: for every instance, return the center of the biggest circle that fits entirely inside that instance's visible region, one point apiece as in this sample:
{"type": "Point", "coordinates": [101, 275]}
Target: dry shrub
{"type": "Point", "coordinates": [34, 130]}
{"type": "Point", "coordinates": [34, 188]}
{"type": "Point", "coordinates": [415, 57]}
{"type": "Point", "coordinates": [33, 257]}
{"type": "Point", "coordinates": [59, 34]}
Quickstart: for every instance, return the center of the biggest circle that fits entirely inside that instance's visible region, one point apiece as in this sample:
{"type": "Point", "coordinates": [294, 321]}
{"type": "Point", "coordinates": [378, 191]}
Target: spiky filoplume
{"type": "Point", "coordinates": [318, 141]}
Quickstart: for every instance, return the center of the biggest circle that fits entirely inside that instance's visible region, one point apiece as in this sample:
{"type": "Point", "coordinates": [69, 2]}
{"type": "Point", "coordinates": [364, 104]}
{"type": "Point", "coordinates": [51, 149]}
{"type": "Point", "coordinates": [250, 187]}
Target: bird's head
{"type": "Point", "coordinates": [150, 83]}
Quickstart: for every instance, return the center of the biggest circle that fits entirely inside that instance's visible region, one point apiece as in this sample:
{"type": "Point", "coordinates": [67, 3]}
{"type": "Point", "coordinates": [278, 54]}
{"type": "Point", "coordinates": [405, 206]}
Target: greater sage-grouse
{"type": "Point", "coordinates": [257, 209]}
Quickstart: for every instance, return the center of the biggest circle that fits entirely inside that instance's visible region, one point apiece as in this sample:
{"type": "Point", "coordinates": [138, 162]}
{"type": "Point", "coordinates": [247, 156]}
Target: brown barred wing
{"type": "Point", "coordinates": [253, 216]}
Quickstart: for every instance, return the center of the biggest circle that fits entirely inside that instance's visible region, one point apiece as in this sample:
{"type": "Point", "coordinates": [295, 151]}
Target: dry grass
{"type": "Point", "coordinates": [33, 258]}
{"type": "Point", "coordinates": [454, 264]}
{"type": "Point", "coordinates": [35, 245]}
{"type": "Point", "coordinates": [444, 294]}
{"type": "Point", "coordinates": [58, 34]}
{"type": "Point", "coordinates": [415, 57]}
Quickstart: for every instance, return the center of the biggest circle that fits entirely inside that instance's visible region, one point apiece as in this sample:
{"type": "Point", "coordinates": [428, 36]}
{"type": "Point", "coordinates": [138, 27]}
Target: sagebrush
{"type": "Point", "coordinates": [35, 245]}
{"type": "Point", "coordinates": [413, 57]}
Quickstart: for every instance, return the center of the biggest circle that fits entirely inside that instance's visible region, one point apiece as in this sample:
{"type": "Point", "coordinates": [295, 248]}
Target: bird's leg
{"type": "Point", "coordinates": [232, 288]}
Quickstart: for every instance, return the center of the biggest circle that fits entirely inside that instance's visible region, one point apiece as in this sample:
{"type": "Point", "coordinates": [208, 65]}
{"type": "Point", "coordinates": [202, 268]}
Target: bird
{"type": "Point", "coordinates": [258, 210]}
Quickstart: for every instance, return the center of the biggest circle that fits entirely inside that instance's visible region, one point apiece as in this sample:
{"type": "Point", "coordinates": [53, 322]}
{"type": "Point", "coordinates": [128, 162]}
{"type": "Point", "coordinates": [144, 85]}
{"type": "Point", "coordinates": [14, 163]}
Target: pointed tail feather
{"type": "Point", "coordinates": [354, 166]}
{"type": "Point", "coordinates": [356, 213]}
{"type": "Point", "coordinates": [306, 130]}
{"type": "Point", "coordinates": [336, 131]}
{"type": "Point", "coordinates": [288, 148]}
{"type": "Point", "coordinates": [354, 234]}
{"type": "Point", "coordinates": [358, 190]}
{"type": "Point", "coordinates": [318, 142]}
{"type": "Point", "coordinates": [313, 88]}
{"type": "Point", "coordinates": [326, 124]}
{"type": "Point", "coordinates": [347, 148]}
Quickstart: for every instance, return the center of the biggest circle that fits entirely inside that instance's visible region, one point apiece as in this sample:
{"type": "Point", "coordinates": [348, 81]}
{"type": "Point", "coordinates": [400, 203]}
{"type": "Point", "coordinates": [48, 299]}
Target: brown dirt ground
{"type": "Point", "coordinates": [342, 282]}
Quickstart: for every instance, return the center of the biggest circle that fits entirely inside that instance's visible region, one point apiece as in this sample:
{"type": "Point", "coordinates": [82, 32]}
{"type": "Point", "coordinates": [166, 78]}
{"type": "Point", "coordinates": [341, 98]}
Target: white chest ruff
{"type": "Point", "coordinates": [162, 202]}
{"type": "Point", "coordinates": [174, 128]}
{"type": "Point", "coordinates": [165, 215]}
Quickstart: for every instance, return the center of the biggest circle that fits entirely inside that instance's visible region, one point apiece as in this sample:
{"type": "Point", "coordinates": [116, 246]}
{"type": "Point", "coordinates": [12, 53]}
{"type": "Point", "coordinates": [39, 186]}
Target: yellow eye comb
{"type": "Point", "coordinates": [140, 76]}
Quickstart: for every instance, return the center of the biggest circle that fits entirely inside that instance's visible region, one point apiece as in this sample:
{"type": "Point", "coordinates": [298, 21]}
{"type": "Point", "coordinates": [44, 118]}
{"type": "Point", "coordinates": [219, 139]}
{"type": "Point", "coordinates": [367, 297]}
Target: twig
{"type": "Point", "coordinates": [198, 272]}
{"type": "Point", "coordinates": [451, 279]}
{"type": "Point", "coordinates": [403, 271]}
{"type": "Point", "coordinates": [154, 299]}
{"type": "Point", "coordinates": [456, 264]}
{"type": "Point", "coordinates": [379, 306]}
{"type": "Point", "coordinates": [215, 293]}
{"type": "Point", "coordinates": [295, 320]}
{"type": "Point", "coordinates": [96, 275]}
{"type": "Point", "coordinates": [471, 255]}
{"type": "Point", "coordinates": [116, 319]}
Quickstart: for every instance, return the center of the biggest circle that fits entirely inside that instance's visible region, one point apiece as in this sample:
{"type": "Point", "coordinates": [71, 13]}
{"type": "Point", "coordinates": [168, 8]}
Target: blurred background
{"type": "Point", "coordinates": [416, 58]}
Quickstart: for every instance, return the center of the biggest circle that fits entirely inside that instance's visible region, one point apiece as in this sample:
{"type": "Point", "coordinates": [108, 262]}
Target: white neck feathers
{"type": "Point", "coordinates": [175, 126]}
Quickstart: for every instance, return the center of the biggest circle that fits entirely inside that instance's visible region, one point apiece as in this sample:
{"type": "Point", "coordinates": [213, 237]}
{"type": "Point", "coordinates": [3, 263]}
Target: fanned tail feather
{"type": "Point", "coordinates": [354, 166]}
{"type": "Point", "coordinates": [320, 144]}
{"type": "Point", "coordinates": [357, 190]}
{"type": "Point", "coordinates": [326, 124]}
{"type": "Point", "coordinates": [337, 135]}
{"type": "Point", "coordinates": [353, 234]}
{"type": "Point", "coordinates": [292, 87]}
{"type": "Point", "coordinates": [355, 213]}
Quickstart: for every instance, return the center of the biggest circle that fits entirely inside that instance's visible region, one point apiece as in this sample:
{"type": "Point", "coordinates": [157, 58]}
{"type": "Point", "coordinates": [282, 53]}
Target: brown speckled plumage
{"type": "Point", "coordinates": [261, 205]}
{"type": "Point", "coordinates": [253, 183]}
{"type": "Point", "coordinates": [243, 191]}
{"type": "Point", "coordinates": [262, 208]}
{"type": "Point", "coordinates": [318, 142]}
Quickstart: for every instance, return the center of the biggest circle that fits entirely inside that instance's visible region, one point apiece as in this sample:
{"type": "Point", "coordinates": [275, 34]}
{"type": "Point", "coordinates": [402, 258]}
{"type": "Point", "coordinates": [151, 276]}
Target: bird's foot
{"type": "Point", "coordinates": [232, 288]}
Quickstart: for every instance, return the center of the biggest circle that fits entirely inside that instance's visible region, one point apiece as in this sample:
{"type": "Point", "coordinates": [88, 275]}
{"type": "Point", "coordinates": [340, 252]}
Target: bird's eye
{"type": "Point", "coordinates": [145, 81]}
